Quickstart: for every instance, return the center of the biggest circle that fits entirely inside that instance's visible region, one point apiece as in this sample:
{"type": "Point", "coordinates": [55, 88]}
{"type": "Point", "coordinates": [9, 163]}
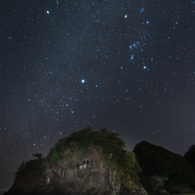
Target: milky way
{"type": "Point", "coordinates": [127, 66]}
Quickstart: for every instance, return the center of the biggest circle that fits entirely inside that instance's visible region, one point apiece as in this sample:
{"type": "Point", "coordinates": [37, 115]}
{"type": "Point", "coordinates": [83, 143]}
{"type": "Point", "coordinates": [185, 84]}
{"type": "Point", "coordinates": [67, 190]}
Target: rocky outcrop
{"type": "Point", "coordinates": [84, 177]}
{"type": "Point", "coordinates": [86, 163]}
{"type": "Point", "coordinates": [164, 172]}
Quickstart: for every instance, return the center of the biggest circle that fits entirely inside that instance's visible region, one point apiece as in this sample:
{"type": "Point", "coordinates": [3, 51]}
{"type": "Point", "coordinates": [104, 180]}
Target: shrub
{"type": "Point", "coordinates": [56, 157]}
{"type": "Point", "coordinates": [54, 154]}
{"type": "Point", "coordinates": [32, 166]}
{"type": "Point", "coordinates": [129, 159]}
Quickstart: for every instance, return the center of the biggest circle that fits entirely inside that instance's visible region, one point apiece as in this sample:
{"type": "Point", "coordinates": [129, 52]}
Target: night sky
{"type": "Point", "coordinates": [127, 66]}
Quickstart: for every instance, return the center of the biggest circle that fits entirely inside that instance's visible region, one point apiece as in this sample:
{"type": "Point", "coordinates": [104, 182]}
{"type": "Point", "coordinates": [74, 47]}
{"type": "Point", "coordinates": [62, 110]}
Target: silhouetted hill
{"type": "Point", "coordinates": [164, 171]}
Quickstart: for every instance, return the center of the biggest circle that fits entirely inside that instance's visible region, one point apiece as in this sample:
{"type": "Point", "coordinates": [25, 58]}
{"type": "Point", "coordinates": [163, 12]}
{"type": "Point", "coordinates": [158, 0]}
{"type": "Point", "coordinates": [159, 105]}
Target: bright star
{"type": "Point", "coordinates": [83, 81]}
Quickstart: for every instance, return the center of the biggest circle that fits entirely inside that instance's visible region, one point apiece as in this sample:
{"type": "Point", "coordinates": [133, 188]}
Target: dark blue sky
{"type": "Point", "coordinates": [128, 66]}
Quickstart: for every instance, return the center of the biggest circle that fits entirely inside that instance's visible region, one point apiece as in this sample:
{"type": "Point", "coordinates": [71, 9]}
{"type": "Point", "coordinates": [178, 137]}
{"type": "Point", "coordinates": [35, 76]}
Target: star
{"type": "Point", "coordinates": [77, 63]}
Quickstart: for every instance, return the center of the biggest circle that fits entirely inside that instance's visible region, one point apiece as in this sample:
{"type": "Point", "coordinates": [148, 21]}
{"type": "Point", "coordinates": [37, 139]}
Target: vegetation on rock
{"type": "Point", "coordinates": [100, 148]}
{"type": "Point", "coordinates": [33, 167]}
{"type": "Point", "coordinates": [108, 163]}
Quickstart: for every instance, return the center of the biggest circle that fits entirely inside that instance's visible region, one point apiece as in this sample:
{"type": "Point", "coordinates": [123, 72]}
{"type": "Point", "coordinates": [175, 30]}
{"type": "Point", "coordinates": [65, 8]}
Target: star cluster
{"type": "Point", "coordinates": [127, 66]}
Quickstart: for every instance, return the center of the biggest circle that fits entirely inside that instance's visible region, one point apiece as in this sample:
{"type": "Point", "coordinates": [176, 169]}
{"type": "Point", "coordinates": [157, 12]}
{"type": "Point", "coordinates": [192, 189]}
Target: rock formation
{"type": "Point", "coordinates": [164, 172]}
{"type": "Point", "coordinates": [190, 155]}
{"type": "Point", "coordinates": [85, 163]}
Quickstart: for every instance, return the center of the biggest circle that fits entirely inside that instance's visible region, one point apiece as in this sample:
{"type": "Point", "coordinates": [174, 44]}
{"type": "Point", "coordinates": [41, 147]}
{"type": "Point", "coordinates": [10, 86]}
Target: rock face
{"type": "Point", "coordinates": [164, 172]}
{"type": "Point", "coordinates": [85, 163]}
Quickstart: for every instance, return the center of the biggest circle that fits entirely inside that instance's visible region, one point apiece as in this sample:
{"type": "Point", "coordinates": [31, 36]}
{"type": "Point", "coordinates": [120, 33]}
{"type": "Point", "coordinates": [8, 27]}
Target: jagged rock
{"type": "Point", "coordinates": [85, 163]}
{"type": "Point", "coordinates": [164, 171]}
